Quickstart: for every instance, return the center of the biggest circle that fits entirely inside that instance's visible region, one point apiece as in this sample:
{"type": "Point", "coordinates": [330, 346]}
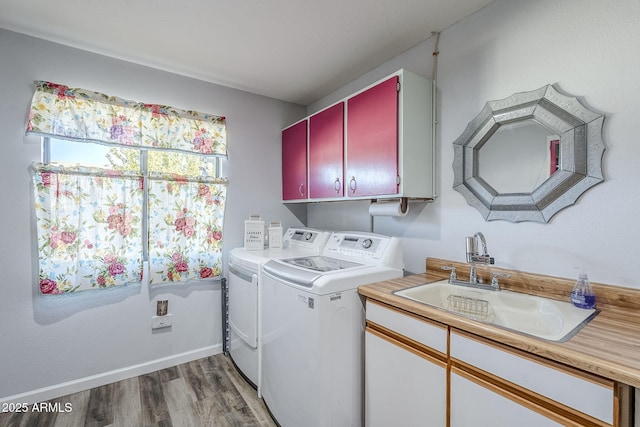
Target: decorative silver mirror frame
{"type": "Point", "coordinates": [581, 151]}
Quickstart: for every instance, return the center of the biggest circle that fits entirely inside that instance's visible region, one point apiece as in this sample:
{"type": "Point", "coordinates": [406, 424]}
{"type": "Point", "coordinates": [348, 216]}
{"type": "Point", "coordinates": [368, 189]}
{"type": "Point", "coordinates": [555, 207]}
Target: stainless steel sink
{"type": "Point", "coordinates": [537, 316]}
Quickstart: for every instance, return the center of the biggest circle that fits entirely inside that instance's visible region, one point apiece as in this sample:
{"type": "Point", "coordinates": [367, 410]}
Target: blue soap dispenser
{"type": "Point", "coordinates": [582, 295]}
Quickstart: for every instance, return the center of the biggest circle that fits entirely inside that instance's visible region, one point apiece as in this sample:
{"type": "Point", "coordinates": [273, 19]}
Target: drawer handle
{"type": "Point", "coordinates": [353, 184]}
{"type": "Point", "coordinates": [301, 189]}
{"type": "Point", "coordinates": [336, 185]}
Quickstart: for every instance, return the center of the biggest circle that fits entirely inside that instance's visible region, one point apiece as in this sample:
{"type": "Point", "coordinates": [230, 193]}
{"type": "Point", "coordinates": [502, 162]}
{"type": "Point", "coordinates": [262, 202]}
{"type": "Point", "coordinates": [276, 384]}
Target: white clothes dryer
{"type": "Point", "coordinates": [243, 282]}
{"type": "Point", "coordinates": [313, 332]}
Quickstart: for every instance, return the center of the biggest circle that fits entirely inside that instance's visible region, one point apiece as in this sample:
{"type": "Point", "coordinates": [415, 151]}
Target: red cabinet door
{"type": "Point", "coordinates": [294, 162]}
{"type": "Point", "coordinates": [326, 153]}
{"type": "Point", "coordinates": [372, 141]}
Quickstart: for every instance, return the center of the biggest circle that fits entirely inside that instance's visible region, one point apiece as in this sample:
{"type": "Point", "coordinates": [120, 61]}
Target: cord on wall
{"type": "Point", "coordinates": [434, 118]}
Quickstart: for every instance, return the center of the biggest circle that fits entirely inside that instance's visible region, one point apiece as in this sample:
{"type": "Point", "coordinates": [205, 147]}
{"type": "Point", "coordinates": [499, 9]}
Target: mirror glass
{"type": "Point", "coordinates": [528, 156]}
{"type": "Point", "coordinates": [517, 157]}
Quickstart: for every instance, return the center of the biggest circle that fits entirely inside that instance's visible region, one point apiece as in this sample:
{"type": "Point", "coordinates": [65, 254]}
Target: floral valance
{"type": "Point", "coordinates": [83, 115]}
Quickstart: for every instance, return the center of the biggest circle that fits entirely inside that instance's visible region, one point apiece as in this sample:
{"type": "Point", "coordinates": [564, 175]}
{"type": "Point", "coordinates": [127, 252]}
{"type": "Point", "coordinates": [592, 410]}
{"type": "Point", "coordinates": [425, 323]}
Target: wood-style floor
{"type": "Point", "coordinates": [205, 392]}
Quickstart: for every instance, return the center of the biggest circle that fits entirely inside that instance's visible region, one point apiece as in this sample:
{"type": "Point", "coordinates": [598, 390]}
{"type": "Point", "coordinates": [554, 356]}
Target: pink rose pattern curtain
{"type": "Point", "coordinates": [185, 228]}
{"type": "Point", "coordinates": [89, 228]}
{"type": "Point", "coordinates": [83, 115]}
{"type": "Point", "coordinates": [89, 221]}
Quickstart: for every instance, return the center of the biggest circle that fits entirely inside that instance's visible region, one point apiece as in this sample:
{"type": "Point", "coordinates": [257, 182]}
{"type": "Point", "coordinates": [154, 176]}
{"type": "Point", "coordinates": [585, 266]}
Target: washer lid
{"type": "Point", "coordinates": [304, 271]}
{"type": "Point", "coordinates": [321, 263]}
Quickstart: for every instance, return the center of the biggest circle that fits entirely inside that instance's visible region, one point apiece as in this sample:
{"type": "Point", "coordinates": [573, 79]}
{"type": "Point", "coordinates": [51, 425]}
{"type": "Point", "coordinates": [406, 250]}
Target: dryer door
{"type": "Point", "coordinates": [243, 303]}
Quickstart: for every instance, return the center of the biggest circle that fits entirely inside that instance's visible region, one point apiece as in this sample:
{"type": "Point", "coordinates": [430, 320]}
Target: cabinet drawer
{"type": "Point", "coordinates": [594, 397]}
{"type": "Point", "coordinates": [426, 333]}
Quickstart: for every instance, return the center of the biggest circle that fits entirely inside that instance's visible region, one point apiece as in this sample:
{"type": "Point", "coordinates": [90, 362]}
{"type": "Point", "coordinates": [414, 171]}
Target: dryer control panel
{"type": "Point", "coordinates": [306, 238]}
{"type": "Point", "coordinates": [357, 245]}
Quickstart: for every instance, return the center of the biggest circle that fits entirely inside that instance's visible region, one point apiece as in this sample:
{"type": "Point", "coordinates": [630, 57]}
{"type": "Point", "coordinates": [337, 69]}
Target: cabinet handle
{"type": "Point", "coordinates": [336, 185]}
{"type": "Point", "coordinates": [301, 189]}
{"type": "Point", "coordinates": [353, 184]}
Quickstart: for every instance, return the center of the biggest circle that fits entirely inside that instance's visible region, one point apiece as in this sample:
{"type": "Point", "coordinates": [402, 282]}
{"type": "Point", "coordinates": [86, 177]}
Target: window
{"type": "Point", "coordinates": [119, 158]}
{"type": "Point", "coordinates": [104, 209]}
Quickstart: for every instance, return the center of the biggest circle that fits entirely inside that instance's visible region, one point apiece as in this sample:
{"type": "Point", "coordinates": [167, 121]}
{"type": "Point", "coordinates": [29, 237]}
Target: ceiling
{"type": "Point", "coordinates": [292, 50]}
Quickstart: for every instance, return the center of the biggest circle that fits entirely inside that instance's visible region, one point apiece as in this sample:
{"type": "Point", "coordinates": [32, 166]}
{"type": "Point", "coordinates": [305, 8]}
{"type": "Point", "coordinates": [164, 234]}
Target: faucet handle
{"type": "Point", "coordinates": [494, 279]}
{"type": "Point", "coordinates": [452, 275]}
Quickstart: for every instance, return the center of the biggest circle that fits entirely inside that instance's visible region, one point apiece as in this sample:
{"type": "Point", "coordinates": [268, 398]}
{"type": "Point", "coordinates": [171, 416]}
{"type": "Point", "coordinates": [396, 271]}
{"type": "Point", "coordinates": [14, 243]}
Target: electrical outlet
{"type": "Point", "coordinates": [158, 322]}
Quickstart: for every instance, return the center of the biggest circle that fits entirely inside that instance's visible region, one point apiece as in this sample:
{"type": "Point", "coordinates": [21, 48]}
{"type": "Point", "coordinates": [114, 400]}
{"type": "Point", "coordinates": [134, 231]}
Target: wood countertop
{"type": "Point", "coordinates": [608, 346]}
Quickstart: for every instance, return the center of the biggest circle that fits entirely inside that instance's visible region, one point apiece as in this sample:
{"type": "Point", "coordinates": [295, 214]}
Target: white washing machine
{"type": "Point", "coordinates": [243, 281]}
{"type": "Point", "coordinates": [313, 332]}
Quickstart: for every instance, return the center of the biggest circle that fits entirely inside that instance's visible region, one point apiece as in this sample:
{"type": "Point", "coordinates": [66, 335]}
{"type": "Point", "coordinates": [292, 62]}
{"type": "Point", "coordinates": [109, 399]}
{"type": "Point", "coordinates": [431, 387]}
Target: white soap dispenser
{"type": "Point", "coordinates": [582, 295]}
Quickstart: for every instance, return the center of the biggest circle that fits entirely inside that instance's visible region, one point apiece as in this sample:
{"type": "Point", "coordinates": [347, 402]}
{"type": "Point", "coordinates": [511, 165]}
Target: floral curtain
{"type": "Point", "coordinates": [185, 228]}
{"type": "Point", "coordinates": [89, 228]}
{"type": "Point", "coordinates": [83, 115]}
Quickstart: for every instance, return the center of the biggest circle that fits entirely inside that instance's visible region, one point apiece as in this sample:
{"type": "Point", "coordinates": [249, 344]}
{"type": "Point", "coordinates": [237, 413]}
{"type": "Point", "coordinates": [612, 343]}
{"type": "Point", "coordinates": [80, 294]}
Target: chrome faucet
{"type": "Point", "coordinates": [473, 256]}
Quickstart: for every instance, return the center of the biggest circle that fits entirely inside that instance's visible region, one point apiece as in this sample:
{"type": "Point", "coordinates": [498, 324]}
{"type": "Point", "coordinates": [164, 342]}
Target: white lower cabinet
{"type": "Point", "coordinates": [474, 405]}
{"type": "Point", "coordinates": [523, 388]}
{"type": "Point", "coordinates": [422, 373]}
{"type": "Point", "coordinates": [404, 385]}
{"type": "Point", "coordinates": [402, 388]}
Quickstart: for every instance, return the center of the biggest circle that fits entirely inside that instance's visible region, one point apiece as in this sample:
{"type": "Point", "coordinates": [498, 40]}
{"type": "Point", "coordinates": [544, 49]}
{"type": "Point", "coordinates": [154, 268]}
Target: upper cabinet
{"type": "Point", "coordinates": [376, 143]}
{"type": "Point", "coordinates": [372, 135]}
{"type": "Point", "coordinates": [326, 153]}
{"type": "Point", "coordinates": [294, 162]}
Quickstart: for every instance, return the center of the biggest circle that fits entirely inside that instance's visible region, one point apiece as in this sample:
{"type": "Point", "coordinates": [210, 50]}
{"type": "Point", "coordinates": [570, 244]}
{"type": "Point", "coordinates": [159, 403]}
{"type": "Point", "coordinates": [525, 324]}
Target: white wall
{"type": "Point", "coordinates": [590, 49]}
{"type": "Point", "coordinates": [50, 347]}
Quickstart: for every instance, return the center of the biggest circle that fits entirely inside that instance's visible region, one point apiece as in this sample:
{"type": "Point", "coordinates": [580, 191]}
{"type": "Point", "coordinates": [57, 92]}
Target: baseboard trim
{"type": "Point", "coordinates": [69, 387]}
